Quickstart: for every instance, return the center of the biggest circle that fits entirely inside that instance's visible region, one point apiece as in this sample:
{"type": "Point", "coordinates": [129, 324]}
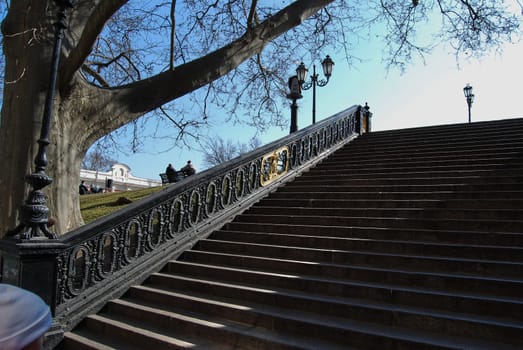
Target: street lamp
{"type": "Point", "coordinates": [301, 72]}
{"type": "Point", "coordinates": [467, 90]}
{"type": "Point", "coordinates": [295, 88]}
{"type": "Point", "coordinates": [34, 213]}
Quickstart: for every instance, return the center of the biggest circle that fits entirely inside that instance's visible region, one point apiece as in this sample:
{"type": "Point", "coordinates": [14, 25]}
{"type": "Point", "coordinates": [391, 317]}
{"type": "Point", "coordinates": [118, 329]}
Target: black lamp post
{"type": "Point", "coordinates": [467, 90]}
{"type": "Point", "coordinates": [301, 72]}
{"type": "Point", "coordinates": [34, 213]}
{"type": "Point", "coordinates": [295, 88]}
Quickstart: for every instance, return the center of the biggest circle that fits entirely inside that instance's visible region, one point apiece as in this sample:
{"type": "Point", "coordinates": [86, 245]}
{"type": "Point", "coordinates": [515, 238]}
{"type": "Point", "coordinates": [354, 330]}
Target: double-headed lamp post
{"type": "Point", "coordinates": [467, 90]}
{"type": "Point", "coordinates": [301, 73]}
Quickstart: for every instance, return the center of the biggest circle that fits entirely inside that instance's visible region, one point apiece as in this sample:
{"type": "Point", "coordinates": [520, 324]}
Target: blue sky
{"type": "Point", "coordinates": [429, 93]}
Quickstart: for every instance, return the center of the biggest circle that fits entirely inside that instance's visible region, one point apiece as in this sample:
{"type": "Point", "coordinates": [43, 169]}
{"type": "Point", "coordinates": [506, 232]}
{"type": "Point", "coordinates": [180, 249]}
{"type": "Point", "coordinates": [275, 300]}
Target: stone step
{"type": "Point", "coordinates": [341, 181]}
{"type": "Point", "coordinates": [428, 188]}
{"type": "Point", "coordinates": [312, 260]}
{"type": "Point", "coordinates": [493, 225]}
{"type": "Point", "coordinates": [394, 246]}
{"type": "Point", "coordinates": [405, 163]}
{"type": "Point", "coordinates": [312, 202]}
{"type": "Point", "coordinates": [499, 127]}
{"type": "Point", "coordinates": [507, 150]}
{"type": "Point", "coordinates": [339, 246]}
{"type": "Point", "coordinates": [516, 215]}
{"type": "Point", "coordinates": [121, 333]}
{"type": "Point", "coordinates": [451, 150]}
{"type": "Point", "coordinates": [352, 154]}
{"type": "Point", "coordinates": [443, 282]}
{"type": "Point", "coordinates": [378, 141]}
{"type": "Point", "coordinates": [465, 177]}
{"type": "Point", "coordinates": [384, 195]}
{"type": "Point", "coordinates": [370, 144]}
{"type": "Point", "coordinates": [415, 172]}
{"type": "Point", "coordinates": [85, 339]}
{"type": "Point", "coordinates": [368, 169]}
{"type": "Point", "coordinates": [383, 233]}
{"type": "Point", "coordinates": [439, 136]}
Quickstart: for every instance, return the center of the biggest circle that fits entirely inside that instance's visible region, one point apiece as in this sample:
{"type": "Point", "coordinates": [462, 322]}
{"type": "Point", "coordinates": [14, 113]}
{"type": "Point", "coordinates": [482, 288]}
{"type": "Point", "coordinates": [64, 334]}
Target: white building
{"type": "Point", "coordinates": [119, 178]}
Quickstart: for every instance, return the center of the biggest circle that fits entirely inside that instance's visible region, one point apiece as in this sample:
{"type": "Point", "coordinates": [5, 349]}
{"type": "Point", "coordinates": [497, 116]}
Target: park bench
{"type": "Point", "coordinates": [179, 175]}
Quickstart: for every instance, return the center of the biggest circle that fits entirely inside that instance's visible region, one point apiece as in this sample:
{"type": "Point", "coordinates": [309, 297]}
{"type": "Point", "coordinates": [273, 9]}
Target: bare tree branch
{"type": "Point", "coordinates": [143, 96]}
{"type": "Point", "coordinates": [252, 15]}
{"type": "Point", "coordinates": [173, 34]}
{"type": "Point", "coordinates": [85, 32]}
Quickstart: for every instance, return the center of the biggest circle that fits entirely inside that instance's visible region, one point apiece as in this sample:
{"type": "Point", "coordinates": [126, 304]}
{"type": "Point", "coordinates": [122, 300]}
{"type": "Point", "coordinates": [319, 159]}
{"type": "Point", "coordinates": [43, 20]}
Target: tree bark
{"type": "Point", "coordinates": [83, 112]}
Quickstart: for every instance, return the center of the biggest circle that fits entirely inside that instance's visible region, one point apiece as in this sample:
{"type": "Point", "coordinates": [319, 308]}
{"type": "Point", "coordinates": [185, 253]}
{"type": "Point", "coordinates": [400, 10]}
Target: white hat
{"type": "Point", "coordinates": [24, 317]}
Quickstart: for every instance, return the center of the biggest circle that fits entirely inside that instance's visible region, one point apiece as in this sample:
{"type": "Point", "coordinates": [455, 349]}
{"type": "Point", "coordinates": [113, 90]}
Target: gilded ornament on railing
{"type": "Point", "coordinates": [274, 165]}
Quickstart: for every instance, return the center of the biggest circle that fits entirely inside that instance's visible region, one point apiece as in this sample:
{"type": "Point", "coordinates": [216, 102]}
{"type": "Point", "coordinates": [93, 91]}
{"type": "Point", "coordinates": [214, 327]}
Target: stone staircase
{"type": "Point", "coordinates": [404, 239]}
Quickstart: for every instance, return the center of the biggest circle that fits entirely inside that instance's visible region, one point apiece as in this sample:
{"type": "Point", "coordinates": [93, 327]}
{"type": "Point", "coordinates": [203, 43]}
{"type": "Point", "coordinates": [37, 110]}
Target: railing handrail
{"type": "Point", "coordinates": [78, 272]}
{"type": "Point", "coordinates": [179, 187]}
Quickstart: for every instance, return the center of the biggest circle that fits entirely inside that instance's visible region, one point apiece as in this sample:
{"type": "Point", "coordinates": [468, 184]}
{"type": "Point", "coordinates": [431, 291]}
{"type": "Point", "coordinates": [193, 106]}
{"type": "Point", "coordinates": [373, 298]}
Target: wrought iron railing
{"type": "Point", "coordinates": [77, 273]}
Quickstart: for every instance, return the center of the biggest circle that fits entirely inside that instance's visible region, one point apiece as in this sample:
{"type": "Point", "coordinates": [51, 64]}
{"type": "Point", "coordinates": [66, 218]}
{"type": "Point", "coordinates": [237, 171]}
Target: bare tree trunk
{"type": "Point", "coordinates": [67, 149]}
{"type": "Point", "coordinates": [27, 57]}
{"type": "Point", "coordinates": [65, 153]}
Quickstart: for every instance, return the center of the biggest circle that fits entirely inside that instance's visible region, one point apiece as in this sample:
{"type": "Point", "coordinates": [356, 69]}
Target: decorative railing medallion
{"type": "Point", "coordinates": [274, 165]}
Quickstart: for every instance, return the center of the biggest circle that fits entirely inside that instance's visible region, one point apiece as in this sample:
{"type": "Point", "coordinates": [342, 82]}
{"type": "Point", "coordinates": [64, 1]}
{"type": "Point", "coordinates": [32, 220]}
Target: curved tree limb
{"type": "Point", "coordinates": [133, 100]}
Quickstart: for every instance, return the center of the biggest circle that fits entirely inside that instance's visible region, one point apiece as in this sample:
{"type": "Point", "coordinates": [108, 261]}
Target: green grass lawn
{"type": "Point", "coordinates": [94, 206]}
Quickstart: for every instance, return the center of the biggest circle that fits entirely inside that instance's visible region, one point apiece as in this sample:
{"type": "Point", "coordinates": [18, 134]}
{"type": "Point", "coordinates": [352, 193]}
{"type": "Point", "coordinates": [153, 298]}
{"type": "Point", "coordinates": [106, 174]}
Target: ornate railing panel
{"type": "Point", "coordinates": [101, 260]}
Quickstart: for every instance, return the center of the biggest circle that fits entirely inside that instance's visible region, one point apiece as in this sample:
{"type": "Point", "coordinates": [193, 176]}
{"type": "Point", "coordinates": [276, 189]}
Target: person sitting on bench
{"type": "Point", "coordinates": [171, 173]}
{"type": "Point", "coordinates": [188, 169]}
